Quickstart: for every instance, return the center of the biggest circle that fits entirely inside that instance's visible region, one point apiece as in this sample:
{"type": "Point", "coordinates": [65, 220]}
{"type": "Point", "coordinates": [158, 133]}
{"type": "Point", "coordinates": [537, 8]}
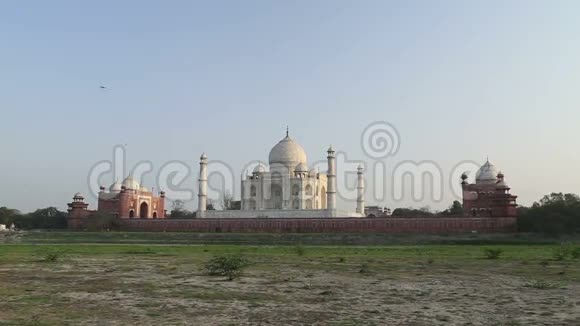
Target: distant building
{"type": "Point", "coordinates": [377, 211]}
{"type": "Point", "coordinates": [122, 200]}
{"type": "Point", "coordinates": [489, 195]}
{"type": "Point", "coordinates": [131, 200]}
{"type": "Point", "coordinates": [285, 188]}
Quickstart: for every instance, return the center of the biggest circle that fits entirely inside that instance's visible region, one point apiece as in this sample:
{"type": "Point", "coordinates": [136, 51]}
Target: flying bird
{"type": "Point", "coordinates": [103, 87]}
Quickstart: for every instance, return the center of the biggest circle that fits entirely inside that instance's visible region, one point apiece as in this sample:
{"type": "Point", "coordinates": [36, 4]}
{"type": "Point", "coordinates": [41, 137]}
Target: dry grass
{"type": "Point", "coordinates": [166, 285]}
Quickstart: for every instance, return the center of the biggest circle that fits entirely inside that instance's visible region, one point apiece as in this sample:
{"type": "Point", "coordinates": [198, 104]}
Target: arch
{"type": "Point", "coordinates": [132, 213]}
{"type": "Point", "coordinates": [143, 210]}
{"type": "Point", "coordinates": [295, 190]}
{"type": "Point", "coordinates": [154, 214]}
{"type": "Point", "coordinates": [371, 216]}
{"type": "Point", "coordinates": [308, 190]}
{"type": "Point", "coordinates": [252, 204]}
{"type": "Point", "coordinates": [253, 191]}
{"type": "Point", "coordinates": [276, 193]}
{"type": "Point", "coordinates": [308, 203]}
{"type": "Point", "coordinates": [295, 204]}
{"type": "Point", "coordinates": [323, 198]}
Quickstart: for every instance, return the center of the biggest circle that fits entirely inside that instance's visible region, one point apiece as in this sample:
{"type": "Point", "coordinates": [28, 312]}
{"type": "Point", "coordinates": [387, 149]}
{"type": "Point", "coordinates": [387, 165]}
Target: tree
{"type": "Point", "coordinates": [45, 218]}
{"type": "Point", "coordinates": [456, 209]}
{"type": "Point", "coordinates": [227, 200]}
{"type": "Point", "coordinates": [402, 212]}
{"type": "Point", "coordinates": [178, 210]}
{"type": "Point", "coordinates": [556, 213]}
{"type": "Point", "coordinates": [8, 215]}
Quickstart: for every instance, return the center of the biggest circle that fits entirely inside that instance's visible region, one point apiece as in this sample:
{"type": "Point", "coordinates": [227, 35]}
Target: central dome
{"type": "Point", "coordinates": [487, 174]}
{"type": "Point", "coordinates": [287, 152]}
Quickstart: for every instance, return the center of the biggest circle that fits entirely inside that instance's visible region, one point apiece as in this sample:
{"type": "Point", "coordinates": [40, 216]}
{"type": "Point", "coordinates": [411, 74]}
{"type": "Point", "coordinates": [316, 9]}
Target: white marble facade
{"type": "Point", "coordinates": [287, 187]}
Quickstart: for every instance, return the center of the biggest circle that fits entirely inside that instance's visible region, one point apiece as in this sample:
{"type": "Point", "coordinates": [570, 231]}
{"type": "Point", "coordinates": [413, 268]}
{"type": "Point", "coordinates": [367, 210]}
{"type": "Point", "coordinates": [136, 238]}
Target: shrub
{"type": "Point", "coordinates": [230, 266]}
{"type": "Point", "coordinates": [492, 253]}
{"type": "Point", "coordinates": [299, 249]}
{"type": "Point", "coordinates": [364, 268]}
{"type": "Point", "coordinates": [51, 255]}
{"type": "Point", "coordinates": [564, 251]}
{"type": "Point", "coordinates": [575, 253]}
{"type": "Point", "coordinates": [341, 260]}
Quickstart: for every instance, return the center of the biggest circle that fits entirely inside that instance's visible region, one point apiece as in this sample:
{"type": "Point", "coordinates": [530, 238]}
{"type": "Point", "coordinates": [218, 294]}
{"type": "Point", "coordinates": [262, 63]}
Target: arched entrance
{"type": "Point", "coordinates": [143, 210]}
{"type": "Point", "coordinates": [154, 214]}
{"type": "Point", "coordinates": [276, 193]}
{"type": "Point", "coordinates": [131, 213]}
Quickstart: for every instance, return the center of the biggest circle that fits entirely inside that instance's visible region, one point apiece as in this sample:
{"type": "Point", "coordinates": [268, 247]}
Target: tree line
{"type": "Point", "coordinates": [44, 218]}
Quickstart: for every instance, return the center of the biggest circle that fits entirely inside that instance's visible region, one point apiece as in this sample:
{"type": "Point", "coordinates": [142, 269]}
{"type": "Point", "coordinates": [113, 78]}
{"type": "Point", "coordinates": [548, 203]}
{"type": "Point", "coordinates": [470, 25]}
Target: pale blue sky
{"type": "Point", "coordinates": [459, 80]}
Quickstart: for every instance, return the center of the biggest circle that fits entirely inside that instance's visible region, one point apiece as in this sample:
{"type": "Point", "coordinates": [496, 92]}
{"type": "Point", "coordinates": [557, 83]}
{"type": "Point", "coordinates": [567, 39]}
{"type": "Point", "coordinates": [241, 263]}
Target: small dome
{"type": "Point", "coordinates": [288, 153]}
{"type": "Point", "coordinates": [313, 173]}
{"type": "Point", "coordinates": [301, 168]}
{"type": "Point", "coordinates": [78, 195]}
{"type": "Point", "coordinates": [203, 156]}
{"type": "Point", "coordinates": [487, 174]}
{"type": "Point", "coordinates": [130, 183]}
{"type": "Point", "coordinates": [260, 168]}
{"type": "Point", "coordinates": [115, 187]}
{"type": "Point", "coordinates": [144, 189]}
{"type": "Point", "coordinates": [502, 185]}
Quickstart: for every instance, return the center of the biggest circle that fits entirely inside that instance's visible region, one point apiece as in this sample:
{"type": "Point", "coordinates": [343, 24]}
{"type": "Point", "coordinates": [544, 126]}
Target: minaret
{"type": "Point", "coordinates": [202, 195]}
{"type": "Point", "coordinates": [331, 180]}
{"type": "Point", "coordinates": [360, 191]}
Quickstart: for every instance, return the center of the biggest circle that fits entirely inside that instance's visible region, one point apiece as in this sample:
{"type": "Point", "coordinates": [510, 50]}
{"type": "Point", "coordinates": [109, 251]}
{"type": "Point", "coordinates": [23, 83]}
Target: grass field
{"type": "Point", "coordinates": [158, 284]}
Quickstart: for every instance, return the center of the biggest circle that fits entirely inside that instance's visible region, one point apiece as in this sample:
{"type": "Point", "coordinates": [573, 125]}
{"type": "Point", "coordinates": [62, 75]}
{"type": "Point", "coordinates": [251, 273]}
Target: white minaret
{"type": "Point", "coordinates": [202, 195]}
{"type": "Point", "coordinates": [360, 191]}
{"type": "Point", "coordinates": [331, 180]}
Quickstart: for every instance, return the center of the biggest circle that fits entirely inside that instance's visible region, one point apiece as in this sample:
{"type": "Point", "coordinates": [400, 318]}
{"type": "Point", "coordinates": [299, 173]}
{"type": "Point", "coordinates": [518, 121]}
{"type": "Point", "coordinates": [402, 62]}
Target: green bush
{"type": "Point", "coordinates": [364, 268]}
{"type": "Point", "coordinates": [299, 249]}
{"type": "Point", "coordinates": [492, 253]}
{"type": "Point", "coordinates": [229, 265]}
{"type": "Point", "coordinates": [560, 253]}
{"type": "Point", "coordinates": [51, 255]}
{"type": "Point", "coordinates": [575, 253]}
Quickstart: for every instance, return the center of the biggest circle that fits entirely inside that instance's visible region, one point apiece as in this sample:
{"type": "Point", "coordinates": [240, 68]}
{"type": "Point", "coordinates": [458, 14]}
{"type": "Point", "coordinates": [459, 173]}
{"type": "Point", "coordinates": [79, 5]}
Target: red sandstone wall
{"type": "Point", "coordinates": [334, 225]}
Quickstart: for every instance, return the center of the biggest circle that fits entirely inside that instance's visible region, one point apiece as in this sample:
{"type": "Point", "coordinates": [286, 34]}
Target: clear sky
{"type": "Point", "coordinates": [459, 80]}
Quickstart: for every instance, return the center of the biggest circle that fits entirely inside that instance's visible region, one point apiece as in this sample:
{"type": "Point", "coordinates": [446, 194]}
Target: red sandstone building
{"type": "Point", "coordinates": [127, 200]}
{"type": "Point", "coordinates": [489, 195]}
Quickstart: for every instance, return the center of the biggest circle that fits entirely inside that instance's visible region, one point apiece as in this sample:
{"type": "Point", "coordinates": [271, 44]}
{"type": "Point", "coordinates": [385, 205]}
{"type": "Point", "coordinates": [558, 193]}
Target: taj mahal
{"type": "Point", "coordinates": [287, 187]}
{"type": "Point", "coordinates": [288, 195]}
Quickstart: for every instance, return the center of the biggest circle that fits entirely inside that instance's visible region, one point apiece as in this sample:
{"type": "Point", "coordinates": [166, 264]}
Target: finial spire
{"type": "Point", "coordinates": [286, 130]}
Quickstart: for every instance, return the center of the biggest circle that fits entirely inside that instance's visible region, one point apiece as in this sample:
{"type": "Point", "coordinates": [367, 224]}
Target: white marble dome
{"type": "Point", "coordinates": [288, 153]}
{"type": "Point", "coordinates": [130, 183]}
{"type": "Point", "coordinates": [260, 168]}
{"type": "Point", "coordinates": [115, 187]}
{"type": "Point", "coordinates": [487, 174]}
{"type": "Point", "coordinates": [313, 173]}
{"type": "Point", "coordinates": [301, 167]}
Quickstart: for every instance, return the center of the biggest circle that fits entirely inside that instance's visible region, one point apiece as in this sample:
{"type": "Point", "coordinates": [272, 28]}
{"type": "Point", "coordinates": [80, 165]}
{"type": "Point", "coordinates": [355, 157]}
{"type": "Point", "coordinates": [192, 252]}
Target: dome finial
{"type": "Point", "coordinates": [287, 131]}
